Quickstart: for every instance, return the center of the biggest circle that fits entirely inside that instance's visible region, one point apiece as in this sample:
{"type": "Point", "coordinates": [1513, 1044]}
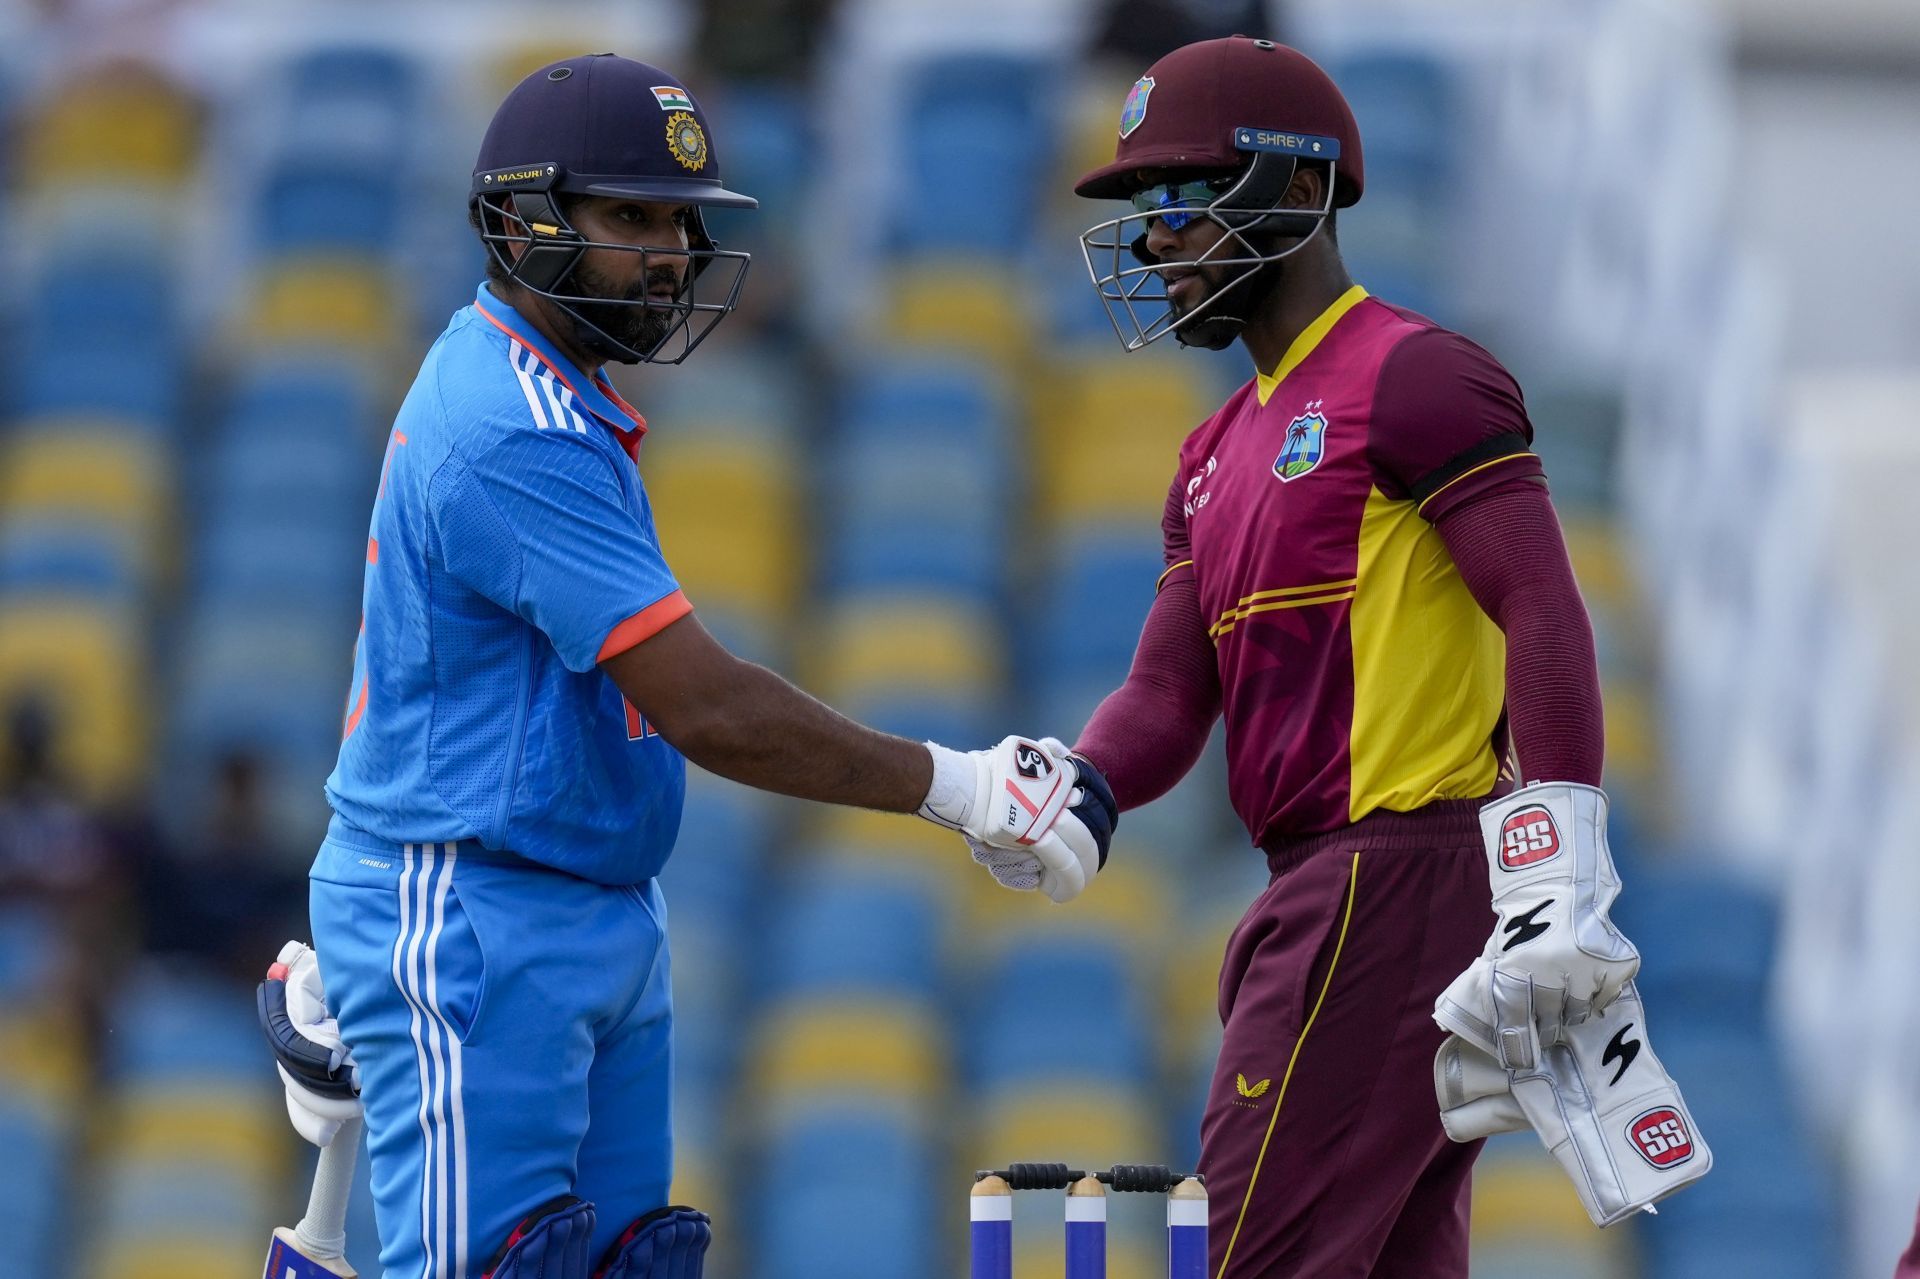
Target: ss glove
{"type": "Point", "coordinates": [1601, 1102]}
{"type": "Point", "coordinates": [321, 1077]}
{"type": "Point", "coordinates": [1553, 883]}
{"type": "Point", "coordinates": [1033, 813]}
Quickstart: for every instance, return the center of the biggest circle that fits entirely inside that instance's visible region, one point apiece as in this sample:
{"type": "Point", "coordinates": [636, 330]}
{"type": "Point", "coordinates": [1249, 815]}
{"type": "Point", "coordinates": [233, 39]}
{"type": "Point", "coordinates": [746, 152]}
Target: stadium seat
{"type": "Point", "coordinates": [354, 102]}
{"type": "Point", "coordinates": [65, 373]}
{"type": "Point", "coordinates": [845, 1192]}
{"type": "Point", "coordinates": [768, 144]}
{"type": "Point", "coordinates": [862, 929]}
{"type": "Point", "coordinates": [113, 477]}
{"type": "Point", "coordinates": [728, 515]}
{"type": "Point", "coordinates": [1109, 430]}
{"type": "Point", "coordinates": [88, 663]}
{"type": "Point", "coordinates": [69, 557]}
{"type": "Point", "coordinates": [1088, 1125]}
{"type": "Point", "coordinates": [904, 646]}
{"type": "Point", "coordinates": [954, 307]}
{"type": "Point", "coordinates": [962, 187]}
{"type": "Point", "coordinates": [344, 302]}
{"type": "Point", "coordinates": [35, 1185]}
{"type": "Point", "coordinates": [1077, 1015]}
{"type": "Point", "coordinates": [123, 125]}
{"type": "Point", "coordinates": [314, 206]}
{"type": "Point", "coordinates": [858, 1047]}
{"type": "Point", "coordinates": [1707, 946]}
{"type": "Point", "coordinates": [1102, 585]}
{"type": "Point", "coordinates": [185, 1031]}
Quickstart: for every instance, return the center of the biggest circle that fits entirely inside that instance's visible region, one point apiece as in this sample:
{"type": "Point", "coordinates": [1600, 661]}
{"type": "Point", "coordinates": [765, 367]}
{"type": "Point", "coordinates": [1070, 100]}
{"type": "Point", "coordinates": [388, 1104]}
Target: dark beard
{"type": "Point", "coordinates": [632, 322]}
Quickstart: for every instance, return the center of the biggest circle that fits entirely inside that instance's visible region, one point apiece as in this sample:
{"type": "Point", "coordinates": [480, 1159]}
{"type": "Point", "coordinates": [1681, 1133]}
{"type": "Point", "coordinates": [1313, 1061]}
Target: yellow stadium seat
{"type": "Point", "coordinates": [866, 832]}
{"type": "Point", "coordinates": [728, 516]}
{"type": "Point", "coordinates": [1526, 1196]}
{"type": "Point", "coordinates": [1128, 414]}
{"type": "Point", "coordinates": [185, 1255]}
{"type": "Point", "coordinates": [112, 475]}
{"type": "Point", "coordinates": [1632, 730]}
{"type": "Point", "coordinates": [45, 1060]}
{"type": "Point", "coordinates": [969, 308]}
{"type": "Point", "coordinates": [119, 125]}
{"type": "Point", "coordinates": [345, 302]}
{"type": "Point", "coordinates": [1600, 562]}
{"type": "Point", "coordinates": [874, 1048]}
{"type": "Point", "coordinates": [1087, 1126]}
{"type": "Point", "coordinates": [908, 644]}
{"type": "Point", "coordinates": [156, 1127]}
{"type": "Point", "coordinates": [88, 666]}
{"type": "Point", "coordinates": [1129, 900]}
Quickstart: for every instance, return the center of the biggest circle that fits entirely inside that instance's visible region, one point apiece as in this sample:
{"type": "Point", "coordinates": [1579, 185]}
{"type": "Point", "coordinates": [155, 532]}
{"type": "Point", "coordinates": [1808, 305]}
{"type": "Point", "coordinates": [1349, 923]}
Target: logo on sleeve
{"type": "Point", "coordinates": [1661, 1137]}
{"type": "Point", "coordinates": [1196, 498]}
{"type": "Point", "coordinates": [1305, 446]}
{"type": "Point", "coordinates": [1528, 838]}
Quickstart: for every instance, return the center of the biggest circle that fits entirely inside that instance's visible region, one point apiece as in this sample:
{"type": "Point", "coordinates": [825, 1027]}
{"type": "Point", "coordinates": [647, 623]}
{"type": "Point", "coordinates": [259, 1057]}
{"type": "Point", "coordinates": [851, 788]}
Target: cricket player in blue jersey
{"type": "Point", "coordinates": [528, 683]}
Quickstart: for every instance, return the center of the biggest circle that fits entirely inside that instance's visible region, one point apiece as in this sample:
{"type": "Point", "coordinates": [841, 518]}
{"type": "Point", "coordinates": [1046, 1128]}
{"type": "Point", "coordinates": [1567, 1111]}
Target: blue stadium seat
{"type": "Point", "coordinates": [65, 372]}
{"type": "Point", "coordinates": [35, 1189]}
{"type": "Point", "coordinates": [868, 928]}
{"type": "Point", "coordinates": [65, 557]}
{"type": "Point", "coordinates": [717, 864]}
{"type": "Point", "coordinates": [962, 719]}
{"type": "Point", "coordinates": [114, 296]}
{"type": "Point", "coordinates": [846, 1191]}
{"type": "Point", "coordinates": [954, 552]}
{"type": "Point", "coordinates": [1406, 105]}
{"type": "Point", "coordinates": [1101, 589]}
{"type": "Point", "coordinates": [312, 205]}
{"type": "Point", "coordinates": [962, 187]}
{"type": "Point", "coordinates": [170, 1026]}
{"type": "Point", "coordinates": [767, 154]}
{"type": "Point", "coordinates": [911, 401]}
{"type": "Point", "coordinates": [1707, 941]}
{"type": "Point", "coordinates": [346, 100]}
{"type": "Point", "coordinates": [1058, 1007]}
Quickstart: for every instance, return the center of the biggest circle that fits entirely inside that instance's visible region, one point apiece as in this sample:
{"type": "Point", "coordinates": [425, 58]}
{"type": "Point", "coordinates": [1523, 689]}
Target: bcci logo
{"type": "Point", "coordinates": [687, 141]}
{"type": "Point", "coordinates": [1306, 444]}
{"type": "Point", "coordinates": [1134, 111]}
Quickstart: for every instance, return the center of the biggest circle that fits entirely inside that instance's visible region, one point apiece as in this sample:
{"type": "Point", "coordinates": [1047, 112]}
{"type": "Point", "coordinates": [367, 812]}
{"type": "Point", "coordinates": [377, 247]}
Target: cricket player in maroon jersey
{"type": "Point", "coordinates": [1366, 578]}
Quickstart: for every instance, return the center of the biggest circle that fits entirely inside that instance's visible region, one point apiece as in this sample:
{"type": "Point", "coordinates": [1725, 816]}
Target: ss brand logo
{"type": "Point", "coordinates": [1528, 838]}
{"type": "Point", "coordinates": [1661, 1137]}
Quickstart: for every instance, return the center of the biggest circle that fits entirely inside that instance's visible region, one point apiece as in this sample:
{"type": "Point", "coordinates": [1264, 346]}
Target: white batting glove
{"type": "Point", "coordinates": [1553, 881]}
{"type": "Point", "coordinates": [1033, 814]}
{"type": "Point", "coordinates": [321, 1078]}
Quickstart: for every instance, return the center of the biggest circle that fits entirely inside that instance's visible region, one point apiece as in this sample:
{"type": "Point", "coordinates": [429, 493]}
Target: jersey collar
{"type": "Point", "coordinates": [1309, 338]}
{"type": "Point", "coordinates": [595, 393]}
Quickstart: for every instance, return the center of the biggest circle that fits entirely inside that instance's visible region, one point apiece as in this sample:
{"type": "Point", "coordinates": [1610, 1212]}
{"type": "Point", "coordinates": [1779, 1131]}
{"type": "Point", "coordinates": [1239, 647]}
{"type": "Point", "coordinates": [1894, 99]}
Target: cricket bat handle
{"type": "Point", "coordinates": [322, 1233]}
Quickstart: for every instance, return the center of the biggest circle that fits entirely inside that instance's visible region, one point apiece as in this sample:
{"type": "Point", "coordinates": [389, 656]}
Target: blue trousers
{"type": "Point", "coordinates": [514, 1029]}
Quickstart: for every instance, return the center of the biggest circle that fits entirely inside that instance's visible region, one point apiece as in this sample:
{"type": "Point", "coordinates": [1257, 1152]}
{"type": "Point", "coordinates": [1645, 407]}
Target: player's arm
{"type": "Point", "coordinates": [1148, 733]}
{"type": "Point", "coordinates": [747, 724]}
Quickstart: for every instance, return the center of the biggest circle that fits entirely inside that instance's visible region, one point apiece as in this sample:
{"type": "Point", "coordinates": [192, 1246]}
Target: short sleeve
{"type": "Point", "coordinates": [1177, 546]}
{"type": "Point", "coordinates": [1449, 424]}
{"type": "Point", "coordinates": [538, 524]}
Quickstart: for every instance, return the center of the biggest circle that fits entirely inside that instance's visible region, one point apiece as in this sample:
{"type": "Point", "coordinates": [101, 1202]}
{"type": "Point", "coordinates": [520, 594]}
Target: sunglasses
{"type": "Point", "coordinates": [1177, 203]}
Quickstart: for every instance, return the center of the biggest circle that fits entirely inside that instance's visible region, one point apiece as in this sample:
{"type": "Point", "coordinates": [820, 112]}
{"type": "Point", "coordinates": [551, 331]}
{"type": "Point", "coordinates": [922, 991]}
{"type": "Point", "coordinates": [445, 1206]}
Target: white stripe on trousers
{"type": "Point", "coordinates": [442, 1112]}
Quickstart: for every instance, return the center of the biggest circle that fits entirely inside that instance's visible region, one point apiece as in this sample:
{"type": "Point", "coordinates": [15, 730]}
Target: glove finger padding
{"type": "Point", "coordinates": [1611, 1116]}
{"type": "Point", "coordinates": [1475, 1093]}
{"type": "Point", "coordinates": [1013, 868]}
{"type": "Point", "coordinates": [1553, 881]}
{"type": "Point", "coordinates": [1068, 858]}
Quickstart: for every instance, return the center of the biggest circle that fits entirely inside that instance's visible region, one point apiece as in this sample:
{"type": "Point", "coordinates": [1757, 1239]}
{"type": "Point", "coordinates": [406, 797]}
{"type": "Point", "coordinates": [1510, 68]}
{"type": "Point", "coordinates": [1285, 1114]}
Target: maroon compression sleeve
{"type": "Point", "coordinates": [1508, 547]}
{"type": "Point", "coordinates": [1150, 731]}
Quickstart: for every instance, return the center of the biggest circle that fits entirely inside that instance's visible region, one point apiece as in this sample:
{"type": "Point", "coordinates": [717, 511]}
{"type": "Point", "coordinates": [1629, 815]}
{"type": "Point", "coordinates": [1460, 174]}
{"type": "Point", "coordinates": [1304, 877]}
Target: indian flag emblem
{"type": "Point", "coordinates": [672, 98]}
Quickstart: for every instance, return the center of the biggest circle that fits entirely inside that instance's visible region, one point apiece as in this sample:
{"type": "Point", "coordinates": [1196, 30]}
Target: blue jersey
{"type": "Point", "coordinates": [512, 548]}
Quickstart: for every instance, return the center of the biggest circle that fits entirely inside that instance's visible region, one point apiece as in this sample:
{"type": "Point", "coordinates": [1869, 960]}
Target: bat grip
{"type": "Point", "coordinates": [323, 1231]}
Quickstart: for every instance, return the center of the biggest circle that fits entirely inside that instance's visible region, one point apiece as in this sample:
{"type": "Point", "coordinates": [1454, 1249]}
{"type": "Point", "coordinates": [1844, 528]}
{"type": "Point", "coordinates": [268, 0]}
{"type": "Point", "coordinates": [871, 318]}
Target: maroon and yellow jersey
{"type": "Point", "coordinates": [1356, 671]}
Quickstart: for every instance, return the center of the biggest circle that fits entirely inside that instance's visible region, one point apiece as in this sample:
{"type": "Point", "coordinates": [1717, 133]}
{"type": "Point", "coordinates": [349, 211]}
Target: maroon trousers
{"type": "Point", "coordinates": [1321, 1143]}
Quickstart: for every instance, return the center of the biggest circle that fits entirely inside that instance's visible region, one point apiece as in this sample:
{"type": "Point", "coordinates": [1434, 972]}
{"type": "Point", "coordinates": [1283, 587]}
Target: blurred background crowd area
{"type": "Point", "coordinates": [917, 473]}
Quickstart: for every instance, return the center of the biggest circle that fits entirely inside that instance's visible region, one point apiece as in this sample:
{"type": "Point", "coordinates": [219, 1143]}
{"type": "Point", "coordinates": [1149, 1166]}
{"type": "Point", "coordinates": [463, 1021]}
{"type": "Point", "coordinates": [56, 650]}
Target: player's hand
{"type": "Point", "coordinates": [322, 1080]}
{"type": "Point", "coordinates": [1034, 814]}
{"type": "Point", "coordinates": [1553, 882]}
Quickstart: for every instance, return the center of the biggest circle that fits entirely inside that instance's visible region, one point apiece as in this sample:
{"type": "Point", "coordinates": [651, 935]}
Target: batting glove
{"type": "Point", "coordinates": [322, 1080]}
{"type": "Point", "coordinates": [1553, 882]}
{"type": "Point", "coordinates": [1034, 814]}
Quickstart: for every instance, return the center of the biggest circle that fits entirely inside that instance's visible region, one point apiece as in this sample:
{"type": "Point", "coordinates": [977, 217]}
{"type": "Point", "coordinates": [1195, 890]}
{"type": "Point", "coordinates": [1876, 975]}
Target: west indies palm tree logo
{"type": "Point", "coordinates": [1306, 444]}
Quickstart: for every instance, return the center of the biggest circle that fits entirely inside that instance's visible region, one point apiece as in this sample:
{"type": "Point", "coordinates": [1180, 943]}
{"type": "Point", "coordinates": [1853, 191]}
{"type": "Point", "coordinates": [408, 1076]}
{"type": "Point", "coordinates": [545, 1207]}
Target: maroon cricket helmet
{"type": "Point", "coordinates": [1195, 108]}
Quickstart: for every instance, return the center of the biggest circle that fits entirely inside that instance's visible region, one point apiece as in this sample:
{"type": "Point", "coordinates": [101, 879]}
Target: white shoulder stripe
{"type": "Point", "coordinates": [564, 414]}
{"type": "Point", "coordinates": [516, 356]}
